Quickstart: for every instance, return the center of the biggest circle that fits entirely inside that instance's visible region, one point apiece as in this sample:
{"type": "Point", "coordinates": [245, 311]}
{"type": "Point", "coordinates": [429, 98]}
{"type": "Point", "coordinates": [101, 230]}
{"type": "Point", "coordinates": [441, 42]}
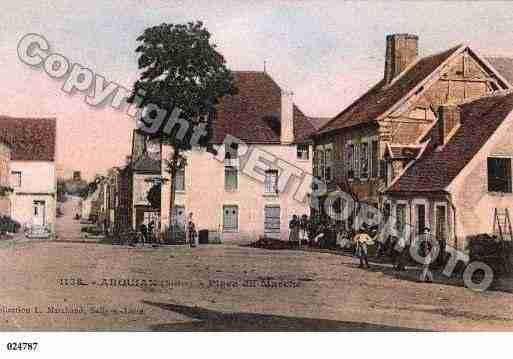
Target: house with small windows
{"type": "Point", "coordinates": [458, 175]}
{"type": "Point", "coordinates": [32, 201]}
{"type": "Point", "coordinates": [367, 145]}
{"type": "Point", "coordinates": [246, 187]}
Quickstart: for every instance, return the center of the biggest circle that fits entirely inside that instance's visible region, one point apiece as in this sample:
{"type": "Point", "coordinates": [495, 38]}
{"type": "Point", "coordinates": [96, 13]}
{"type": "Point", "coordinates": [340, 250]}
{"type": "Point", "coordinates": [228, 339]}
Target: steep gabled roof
{"type": "Point", "coordinates": [319, 122]}
{"type": "Point", "coordinates": [437, 167]}
{"type": "Point", "coordinates": [382, 97]}
{"type": "Point", "coordinates": [253, 115]}
{"type": "Point", "coordinates": [504, 65]}
{"type": "Point", "coordinates": [32, 139]}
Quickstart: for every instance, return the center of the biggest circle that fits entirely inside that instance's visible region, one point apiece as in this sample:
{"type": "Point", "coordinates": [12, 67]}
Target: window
{"type": "Point", "coordinates": [328, 171]}
{"type": "Point", "coordinates": [386, 211]}
{"type": "Point", "coordinates": [231, 180]}
{"type": "Point", "coordinates": [323, 162]}
{"type": "Point", "coordinates": [441, 222]}
{"type": "Point", "coordinates": [180, 180]}
{"type": "Point", "coordinates": [231, 176]}
{"type": "Point", "coordinates": [420, 223]}
{"type": "Point", "coordinates": [16, 178]}
{"type": "Point", "coordinates": [349, 161]}
{"type": "Point", "coordinates": [499, 174]}
{"type": "Point", "coordinates": [302, 151]}
{"type": "Point", "coordinates": [271, 181]}
{"type": "Point", "coordinates": [400, 219]}
{"type": "Point", "coordinates": [356, 159]}
{"type": "Point", "coordinates": [364, 160]}
{"type": "Point", "coordinates": [230, 218]}
{"type": "Point", "coordinates": [375, 159]}
{"type": "Point", "coordinates": [316, 164]}
{"type": "Point", "coordinates": [272, 221]}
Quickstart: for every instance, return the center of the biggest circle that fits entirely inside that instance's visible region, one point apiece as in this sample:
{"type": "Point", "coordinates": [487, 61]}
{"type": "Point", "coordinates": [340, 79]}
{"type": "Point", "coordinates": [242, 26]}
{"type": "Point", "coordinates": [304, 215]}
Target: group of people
{"type": "Point", "coordinates": [430, 251]}
{"type": "Point", "coordinates": [299, 229]}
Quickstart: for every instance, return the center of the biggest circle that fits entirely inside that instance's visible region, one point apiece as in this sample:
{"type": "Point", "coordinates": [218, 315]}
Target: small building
{"type": "Point", "coordinates": [457, 175]}
{"type": "Point", "coordinates": [32, 170]}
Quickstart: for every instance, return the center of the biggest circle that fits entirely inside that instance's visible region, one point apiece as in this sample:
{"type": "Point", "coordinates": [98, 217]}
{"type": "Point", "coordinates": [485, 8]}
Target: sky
{"type": "Point", "coordinates": [327, 52]}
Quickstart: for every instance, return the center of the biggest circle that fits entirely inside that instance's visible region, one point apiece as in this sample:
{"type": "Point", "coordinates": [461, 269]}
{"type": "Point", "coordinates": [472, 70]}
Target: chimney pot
{"type": "Point", "coordinates": [287, 118]}
{"type": "Point", "coordinates": [401, 51]}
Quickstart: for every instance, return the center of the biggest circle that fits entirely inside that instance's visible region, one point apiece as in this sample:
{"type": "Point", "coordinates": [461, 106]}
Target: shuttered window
{"type": "Point", "coordinates": [271, 181]}
{"type": "Point", "coordinates": [180, 180]}
{"type": "Point", "coordinates": [272, 221]}
{"type": "Point", "coordinates": [231, 180]}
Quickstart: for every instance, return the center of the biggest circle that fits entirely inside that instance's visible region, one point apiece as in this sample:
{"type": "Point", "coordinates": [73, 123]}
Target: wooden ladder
{"type": "Point", "coordinates": [503, 228]}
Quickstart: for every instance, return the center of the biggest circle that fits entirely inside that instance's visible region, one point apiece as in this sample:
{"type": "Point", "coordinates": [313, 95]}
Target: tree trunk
{"type": "Point", "coordinates": [172, 170]}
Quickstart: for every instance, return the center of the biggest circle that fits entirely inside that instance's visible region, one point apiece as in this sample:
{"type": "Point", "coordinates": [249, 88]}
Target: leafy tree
{"type": "Point", "coordinates": [180, 69]}
{"type": "Point", "coordinates": [154, 194]}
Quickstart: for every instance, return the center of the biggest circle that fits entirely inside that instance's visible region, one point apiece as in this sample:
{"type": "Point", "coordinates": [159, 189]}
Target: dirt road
{"type": "Point", "coordinates": [88, 286]}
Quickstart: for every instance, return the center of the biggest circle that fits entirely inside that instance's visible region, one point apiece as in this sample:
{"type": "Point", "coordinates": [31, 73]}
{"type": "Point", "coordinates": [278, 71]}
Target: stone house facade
{"type": "Point", "coordinates": [461, 176]}
{"type": "Point", "coordinates": [352, 150]}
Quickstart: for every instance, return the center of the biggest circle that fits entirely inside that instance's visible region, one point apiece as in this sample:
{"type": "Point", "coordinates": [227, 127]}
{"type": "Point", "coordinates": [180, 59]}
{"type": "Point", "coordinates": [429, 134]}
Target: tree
{"type": "Point", "coordinates": [154, 195]}
{"type": "Point", "coordinates": [180, 70]}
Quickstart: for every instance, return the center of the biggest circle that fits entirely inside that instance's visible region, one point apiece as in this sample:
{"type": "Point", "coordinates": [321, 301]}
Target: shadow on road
{"type": "Point", "coordinates": [211, 320]}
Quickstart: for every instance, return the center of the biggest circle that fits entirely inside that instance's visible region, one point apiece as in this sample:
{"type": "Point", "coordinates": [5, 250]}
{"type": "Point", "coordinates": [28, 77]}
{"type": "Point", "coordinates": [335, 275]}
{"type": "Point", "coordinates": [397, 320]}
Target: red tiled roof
{"type": "Point", "coordinates": [382, 97]}
{"type": "Point", "coordinates": [503, 65]}
{"type": "Point", "coordinates": [253, 115]}
{"type": "Point", "coordinates": [318, 122]}
{"type": "Point", "coordinates": [436, 169]}
{"type": "Point", "coordinates": [33, 139]}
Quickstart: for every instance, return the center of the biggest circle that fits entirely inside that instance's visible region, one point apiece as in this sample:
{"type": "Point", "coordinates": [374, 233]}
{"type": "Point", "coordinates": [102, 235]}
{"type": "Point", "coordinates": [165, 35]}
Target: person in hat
{"type": "Point", "coordinates": [427, 250]}
{"type": "Point", "coordinates": [362, 240]}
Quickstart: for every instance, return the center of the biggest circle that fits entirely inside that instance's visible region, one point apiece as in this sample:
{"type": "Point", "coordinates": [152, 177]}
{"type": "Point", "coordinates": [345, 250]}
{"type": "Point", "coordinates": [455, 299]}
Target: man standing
{"type": "Point", "coordinates": [427, 250]}
{"type": "Point", "coordinates": [362, 240]}
{"type": "Point", "coordinates": [191, 231]}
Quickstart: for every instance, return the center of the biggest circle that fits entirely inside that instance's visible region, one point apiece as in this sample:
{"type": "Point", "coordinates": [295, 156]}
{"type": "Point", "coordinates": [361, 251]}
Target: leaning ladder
{"type": "Point", "coordinates": [503, 229]}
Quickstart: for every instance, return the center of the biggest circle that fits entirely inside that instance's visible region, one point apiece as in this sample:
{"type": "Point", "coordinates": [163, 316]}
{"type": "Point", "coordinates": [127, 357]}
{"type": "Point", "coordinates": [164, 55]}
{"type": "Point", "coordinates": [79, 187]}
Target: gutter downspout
{"type": "Point", "coordinates": [453, 207]}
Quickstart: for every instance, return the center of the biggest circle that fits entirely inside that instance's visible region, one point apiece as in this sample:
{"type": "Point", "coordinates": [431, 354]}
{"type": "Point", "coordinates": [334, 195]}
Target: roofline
{"type": "Point", "coordinates": [419, 155]}
{"type": "Point", "coordinates": [321, 131]}
{"type": "Point", "coordinates": [460, 48]}
{"type": "Point", "coordinates": [489, 65]}
{"type": "Point", "coordinates": [488, 143]}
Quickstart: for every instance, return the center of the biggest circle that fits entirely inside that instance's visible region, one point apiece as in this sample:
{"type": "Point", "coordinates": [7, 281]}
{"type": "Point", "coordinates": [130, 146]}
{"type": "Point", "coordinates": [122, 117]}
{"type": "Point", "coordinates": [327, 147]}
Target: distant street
{"type": "Point", "coordinates": [67, 227]}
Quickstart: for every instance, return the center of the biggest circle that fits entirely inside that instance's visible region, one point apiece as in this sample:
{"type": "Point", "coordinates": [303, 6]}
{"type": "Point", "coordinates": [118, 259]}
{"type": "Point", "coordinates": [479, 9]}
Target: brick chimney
{"type": "Point", "coordinates": [402, 50]}
{"type": "Point", "coordinates": [287, 118]}
{"type": "Point", "coordinates": [449, 117]}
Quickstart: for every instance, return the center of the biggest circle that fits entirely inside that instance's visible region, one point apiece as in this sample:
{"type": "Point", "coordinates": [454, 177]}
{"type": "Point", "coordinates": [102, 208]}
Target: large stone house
{"type": "Point", "coordinates": [461, 175]}
{"type": "Point", "coordinates": [250, 189]}
{"type": "Point", "coordinates": [32, 170]}
{"type": "Point", "coordinates": [395, 113]}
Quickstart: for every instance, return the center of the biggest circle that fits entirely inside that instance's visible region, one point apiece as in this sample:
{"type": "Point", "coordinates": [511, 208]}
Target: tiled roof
{"type": "Point", "coordinates": [382, 97]}
{"type": "Point", "coordinates": [318, 122]}
{"type": "Point", "coordinates": [146, 163]}
{"type": "Point", "coordinates": [436, 169]}
{"type": "Point", "coordinates": [253, 115]}
{"type": "Point", "coordinates": [504, 65]}
{"type": "Point", "coordinates": [33, 139]}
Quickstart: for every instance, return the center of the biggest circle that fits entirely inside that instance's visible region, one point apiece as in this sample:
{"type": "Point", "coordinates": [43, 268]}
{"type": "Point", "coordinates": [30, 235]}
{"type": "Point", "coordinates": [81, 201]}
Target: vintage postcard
{"type": "Point", "coordinates": [256, 166]}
